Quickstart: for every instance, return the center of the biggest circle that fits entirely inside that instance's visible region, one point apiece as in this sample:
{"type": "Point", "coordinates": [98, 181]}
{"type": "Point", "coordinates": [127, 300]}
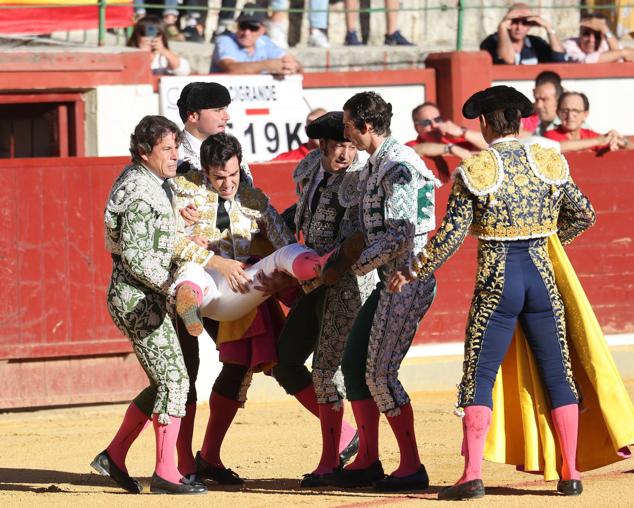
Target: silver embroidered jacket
{"type": "Point", "coordinates": [141, 231]}
{"type": "Point", "coordinates": [397, 208]}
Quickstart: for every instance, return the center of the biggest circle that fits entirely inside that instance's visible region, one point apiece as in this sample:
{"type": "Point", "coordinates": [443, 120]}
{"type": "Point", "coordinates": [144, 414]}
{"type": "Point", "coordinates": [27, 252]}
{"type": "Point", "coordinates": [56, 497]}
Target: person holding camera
{"type": "Point", "coordinates": [149, 35]}
{"type": "Point", "coordinates": [513, 46]}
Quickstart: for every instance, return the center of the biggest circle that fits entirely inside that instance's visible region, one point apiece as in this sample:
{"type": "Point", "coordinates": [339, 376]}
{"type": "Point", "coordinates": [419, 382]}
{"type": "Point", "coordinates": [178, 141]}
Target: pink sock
{"type": "Point", "coordinates": [566, 422]}
{"type": "Point", "coordinates": [186, 462]}
{"type": "Point", "coordinates": [166, 436]}
{"type": "Point", "coordinates": [475, 425]}
{"type": "Point", "coordinates": [403, 428]}
{"type": "Point", "coordinates": [366, 416]}
{"type": "Point", "coordinates": [330, 420]}
{"type": "Point", "coordinates": [131, 427]}
{"type": "Point", "coordinates": [306, 266]}
{"type": "Point", "coordinates": [222, 411]}
{"type": "Point", "coordinates": [307, 398]}
{"type": "Point", "coordinates": [194, 287]}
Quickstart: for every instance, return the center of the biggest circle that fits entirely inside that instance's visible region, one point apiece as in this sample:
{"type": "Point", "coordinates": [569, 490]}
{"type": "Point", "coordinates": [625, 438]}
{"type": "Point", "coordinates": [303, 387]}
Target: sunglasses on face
{"type": "Point", "coordinates": [248, 26]}
{"type": "Point", "coordinates": [428, 121]}
{"type": "Point", "coordinates": [522, 21]}
{"type": "Point", "coordinates": [588, 32]}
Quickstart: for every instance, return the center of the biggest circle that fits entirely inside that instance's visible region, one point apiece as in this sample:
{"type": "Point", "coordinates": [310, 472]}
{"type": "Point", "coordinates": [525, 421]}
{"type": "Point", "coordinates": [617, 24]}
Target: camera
{"type": "Point", "coordinates": [151, 31]}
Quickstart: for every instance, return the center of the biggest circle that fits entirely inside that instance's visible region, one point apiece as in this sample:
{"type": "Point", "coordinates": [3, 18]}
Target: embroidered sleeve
{"type": "Point", "coordinates": [277, 232]}
{"type": "Point", "coordinates": [398, 211]}
{"type": "Point", "coordinates": [187, 251]}
{"type": "Point", "coordinates": [145, 246]}
{"type": "Point", "coordinates": [575, 214]}
{"type": "Point", "coordinates": [450, 234]}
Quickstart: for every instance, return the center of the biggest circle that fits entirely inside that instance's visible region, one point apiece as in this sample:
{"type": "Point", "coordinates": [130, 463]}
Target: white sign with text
{"type": "Point", "coordinates": [267, 114]}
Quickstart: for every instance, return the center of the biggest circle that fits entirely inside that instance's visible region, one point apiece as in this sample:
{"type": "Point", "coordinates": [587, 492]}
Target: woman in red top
{"type": "Point", "coordinates": [573, 109]}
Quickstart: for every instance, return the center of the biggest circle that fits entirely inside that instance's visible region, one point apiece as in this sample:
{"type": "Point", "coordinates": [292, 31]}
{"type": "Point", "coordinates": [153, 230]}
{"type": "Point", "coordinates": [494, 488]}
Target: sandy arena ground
{"type": "Point", "coordinates": [45, 456]}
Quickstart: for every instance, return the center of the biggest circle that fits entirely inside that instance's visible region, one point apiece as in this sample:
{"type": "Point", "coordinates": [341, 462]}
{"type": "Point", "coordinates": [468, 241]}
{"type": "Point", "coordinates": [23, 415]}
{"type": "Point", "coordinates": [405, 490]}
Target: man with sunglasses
{"type": "Point", "coordinates": [512, 44]}
{"type": "Point", "coordinates": [437, 136]}
{"type": "Point", "coordinates": [249, 50]}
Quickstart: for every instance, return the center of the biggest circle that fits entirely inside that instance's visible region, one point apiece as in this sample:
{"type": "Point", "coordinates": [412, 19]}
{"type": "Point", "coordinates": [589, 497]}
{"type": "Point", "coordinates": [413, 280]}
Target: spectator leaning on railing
{"type": "Point", "coordinates": [149, 35]}
{"type": "Point", "coordinates": [512, 44]}
{"type": "Point", "coordinates": [596, 43]}
{"type": "Point", "coordinates": [437, 136]}
{"type": "Point", "coordinates": [573, 110]}
{"type": "Point", "coordinates": [249, 50]}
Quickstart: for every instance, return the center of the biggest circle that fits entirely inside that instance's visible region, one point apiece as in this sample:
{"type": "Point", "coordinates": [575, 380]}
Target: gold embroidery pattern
{"type": "Point", "coordinates": [487, 294]}
{"type": "Point", "coordinates": [549, 163]}
{"type": "Point", "coordinates": [481, 171]}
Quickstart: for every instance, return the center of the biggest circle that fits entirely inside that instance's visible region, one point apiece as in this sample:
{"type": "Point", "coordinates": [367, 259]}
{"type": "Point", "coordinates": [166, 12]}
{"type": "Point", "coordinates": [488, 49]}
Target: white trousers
{"type": "Point", "coordinates": [220, 302]}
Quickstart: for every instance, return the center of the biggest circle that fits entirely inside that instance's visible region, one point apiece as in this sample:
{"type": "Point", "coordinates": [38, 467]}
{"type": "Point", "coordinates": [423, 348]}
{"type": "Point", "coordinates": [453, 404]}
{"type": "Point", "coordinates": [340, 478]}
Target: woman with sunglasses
{"type": "Point", "coordinates": [596, 43]}
{"type": "Point", "coordinates": [511, 44]}
{"type": "Point", "coordinates": [573, 109]}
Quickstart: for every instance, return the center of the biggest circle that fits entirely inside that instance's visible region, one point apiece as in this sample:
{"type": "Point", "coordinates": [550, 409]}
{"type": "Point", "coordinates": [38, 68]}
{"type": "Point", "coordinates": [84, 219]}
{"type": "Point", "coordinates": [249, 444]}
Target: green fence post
{"type": "Point", "coordinates": [459, 29]}
{"type": "Point", "coordinates": [102, 22]}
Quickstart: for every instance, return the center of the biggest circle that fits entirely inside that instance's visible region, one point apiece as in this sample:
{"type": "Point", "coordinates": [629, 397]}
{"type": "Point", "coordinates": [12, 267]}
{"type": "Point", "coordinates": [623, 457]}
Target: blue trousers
{"type": "Point", "coordinates": [528, 295]}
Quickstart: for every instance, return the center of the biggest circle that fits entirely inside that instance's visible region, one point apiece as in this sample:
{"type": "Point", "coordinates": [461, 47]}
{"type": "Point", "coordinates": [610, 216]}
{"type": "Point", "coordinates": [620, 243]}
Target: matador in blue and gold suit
{"type": "Point", "coordinates": [512, 197]}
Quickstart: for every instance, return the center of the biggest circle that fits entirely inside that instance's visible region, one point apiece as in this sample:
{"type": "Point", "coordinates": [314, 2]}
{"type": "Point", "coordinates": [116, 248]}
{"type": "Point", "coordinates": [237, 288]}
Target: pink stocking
{"type": "Point", "coordinates": [403, 428]}
{"type": "Point", "coordinates": [222, 411]}
{"type": "Point", "coordinates": [566, 422]}
{"type": "Point", "coordinates": [330, 420]}
{"type": "Point", "coordinates": [307, 398]}
{"type": "Point", "coordinates": [166, 436]}
{"type": "Point", "coordinates": [308, 265]}
{"type": "Point", "coordinates": [186, 462]}
{"type": "Point", "coordinates": [475, 425]}
{"type": "Point", "coordinates": [132, 425]}
{"type": "Point", "coordinates": [366, 415]}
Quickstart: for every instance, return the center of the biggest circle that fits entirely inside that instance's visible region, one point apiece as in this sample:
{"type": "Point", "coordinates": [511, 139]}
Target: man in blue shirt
{"type": "Point", "coordinates": [249, 50]}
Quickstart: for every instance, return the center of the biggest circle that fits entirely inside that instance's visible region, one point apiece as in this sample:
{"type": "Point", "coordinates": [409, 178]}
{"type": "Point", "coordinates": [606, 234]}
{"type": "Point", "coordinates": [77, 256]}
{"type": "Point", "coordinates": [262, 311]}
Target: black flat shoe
{"type": "Point", "coordinates": [314, 480]}
{"type": "Point", "coordinates": [349, 451]}
{"type": "Point", "coordinates": [105, 466]}
{"type": "Point", "coordinates": [468, 490]}
{"type": "Point", "coordinates": [161, 486]}
{"type": "Point", "coordinates": [415, 481]}
{"type": "Point", "coordinates": [357, 477]}
{"type": "Point", "coordinates": [569, 487]}
{"type": "Point", "coordinates": [192, 479]}
{"type": "Point", "coordinates": [222, 475]}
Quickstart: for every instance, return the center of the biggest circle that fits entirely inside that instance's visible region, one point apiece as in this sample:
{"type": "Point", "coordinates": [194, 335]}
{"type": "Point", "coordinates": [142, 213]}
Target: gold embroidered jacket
{"type": "Point", "coordinates": [508, 192]}
{"type": "Point", "coordinates": [250, 213]}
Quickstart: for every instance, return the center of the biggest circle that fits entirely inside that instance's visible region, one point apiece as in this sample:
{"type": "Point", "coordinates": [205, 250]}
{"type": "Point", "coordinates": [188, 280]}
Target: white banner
{"type": "Point", "coordinates": [267, 114]}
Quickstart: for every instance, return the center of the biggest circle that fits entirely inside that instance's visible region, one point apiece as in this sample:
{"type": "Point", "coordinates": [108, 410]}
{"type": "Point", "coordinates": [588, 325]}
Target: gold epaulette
{"type": "Point", "coordinates": [253, 198]}
{"type": "Point", "coordinates": [548, 164]}
{"type": "Point", "coordinates": [481, 173]}
{"type": "Point", "coordinates": [189, 183]}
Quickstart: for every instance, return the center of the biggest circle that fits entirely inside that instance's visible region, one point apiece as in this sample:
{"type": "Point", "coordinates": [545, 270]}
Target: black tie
{"type": "Point", "coordinates": [168, 190]}
{"type": "Point", "coordinates": [222, 217]}
{"type": "Point", "coordinates": [315, 200]}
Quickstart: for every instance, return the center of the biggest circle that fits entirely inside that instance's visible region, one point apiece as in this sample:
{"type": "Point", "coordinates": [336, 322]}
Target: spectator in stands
{"type": "Point", "coordinates": [573, 109]}
{"type": "Point", "coordinates": [437, 136]}
{"type": "Point", "coordinates": [149, 35]}
{"type": "Point", "coordinates": [195, 20]}
{"type": "Point", "coordinates": [249, 50]}
{"type": "Point", "coordinates": [596, 43]}
{"type": "Point", "coordinates": [302, 151]}
{"type": "Point", "coordinates": [393, 36]}
{"type": "Point", "coordinates": [512, 44]}
{"type": "Point", "coordinates": [547, 91]}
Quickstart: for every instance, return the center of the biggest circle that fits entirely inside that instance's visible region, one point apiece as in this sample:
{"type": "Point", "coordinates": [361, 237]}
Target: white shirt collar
{"type": "Point", "coordinates": [503, 139]}
{"type": "Point", "coordinates": [158, 178]}
{"type": "Point", "coordinates": [373, 157]}
{"type": "Point", "coordinates": [193, 141]}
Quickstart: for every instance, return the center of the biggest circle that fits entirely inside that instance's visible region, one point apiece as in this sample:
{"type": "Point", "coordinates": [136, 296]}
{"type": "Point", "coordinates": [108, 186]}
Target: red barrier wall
{"type": "Point", "coordinates": [55, 272]}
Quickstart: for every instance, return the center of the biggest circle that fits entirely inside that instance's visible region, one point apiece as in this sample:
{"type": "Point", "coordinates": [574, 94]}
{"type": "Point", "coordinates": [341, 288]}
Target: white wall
{"type": "Point", "coordinates": [118, 109]}
{"type": "Point", "coordinates": [611, 100]}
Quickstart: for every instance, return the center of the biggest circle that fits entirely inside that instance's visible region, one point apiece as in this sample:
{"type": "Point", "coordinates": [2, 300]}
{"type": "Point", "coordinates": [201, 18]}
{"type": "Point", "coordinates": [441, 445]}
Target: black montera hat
{"type": "Point", "coordinates": [200, 95]}
{"type": "Point", "coordinates": [328, 126]}
{"type": "Point", "coordinates": [494, 98]}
